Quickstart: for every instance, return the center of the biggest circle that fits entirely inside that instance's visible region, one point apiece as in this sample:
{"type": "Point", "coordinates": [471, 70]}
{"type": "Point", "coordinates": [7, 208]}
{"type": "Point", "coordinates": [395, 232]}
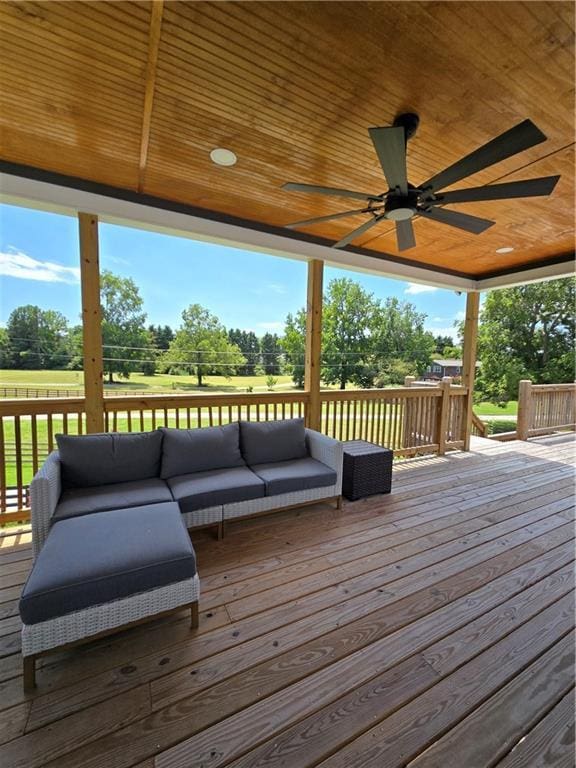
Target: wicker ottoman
{"type": "Point", "coordinates": [103, 572]}
{"type": "Point", "coordinates": [367, 469]}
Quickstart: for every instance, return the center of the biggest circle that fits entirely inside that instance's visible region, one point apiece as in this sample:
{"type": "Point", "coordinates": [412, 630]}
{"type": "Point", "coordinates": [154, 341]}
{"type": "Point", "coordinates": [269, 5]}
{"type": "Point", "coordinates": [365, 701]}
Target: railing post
{"type": "Point", "coordinates": [409, 380]}
{"type": "Point", "coordinates": [469, 361]}
{"type": "Point", "coordinates": [443, 413]}
{"type": "Point", "coordinates": [91, 322]}
{"type": "Point", "coordinates": [524, 420]}
{"type": "Point", "coordinates": [313, 343]}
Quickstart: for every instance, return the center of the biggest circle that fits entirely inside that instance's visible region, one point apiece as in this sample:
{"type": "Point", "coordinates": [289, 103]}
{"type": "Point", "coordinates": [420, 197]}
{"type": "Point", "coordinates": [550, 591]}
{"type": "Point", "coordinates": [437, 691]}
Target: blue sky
{"type": "Point", "coordinates": [39, 265]}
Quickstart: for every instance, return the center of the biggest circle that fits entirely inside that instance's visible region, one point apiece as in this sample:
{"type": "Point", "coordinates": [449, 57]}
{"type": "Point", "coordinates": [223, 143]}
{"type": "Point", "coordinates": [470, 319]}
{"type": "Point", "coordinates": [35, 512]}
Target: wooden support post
{"type": "Point", "coordinates": [313, 343]}
{"type": "Point", "coordinates": [443, 414]}
{"type": "Point", "coordinates": [469, 361]}
{"type": "Point", "coordinates": [524, 420]}
{"type": "Point", "coordinates": [409, 380]}
{"type": "Point", "coordinates": [91, 322]}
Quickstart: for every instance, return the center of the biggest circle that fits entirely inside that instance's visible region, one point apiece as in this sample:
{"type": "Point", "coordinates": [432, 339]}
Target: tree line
{"type": "Point", "coordinates": [525, 332]}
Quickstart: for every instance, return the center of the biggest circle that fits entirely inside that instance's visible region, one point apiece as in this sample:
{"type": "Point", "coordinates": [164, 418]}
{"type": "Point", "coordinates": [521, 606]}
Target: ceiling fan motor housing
{"type": "Point", "coordinates": [409, 121]}
{"type": "Point", "coordinates": [401, 207]}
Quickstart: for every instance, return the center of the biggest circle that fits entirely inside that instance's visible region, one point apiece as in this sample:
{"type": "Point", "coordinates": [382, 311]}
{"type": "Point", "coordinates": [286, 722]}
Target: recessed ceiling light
{"type": "Point", "coordinates": [504, 250]}
{"type": "Point", "coordinates": [221, 156]}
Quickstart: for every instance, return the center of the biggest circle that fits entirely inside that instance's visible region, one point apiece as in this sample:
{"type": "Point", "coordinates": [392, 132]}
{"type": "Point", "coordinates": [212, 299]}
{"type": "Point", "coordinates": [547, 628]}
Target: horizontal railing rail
{"type": "Point", "coordinates": [409, 420]}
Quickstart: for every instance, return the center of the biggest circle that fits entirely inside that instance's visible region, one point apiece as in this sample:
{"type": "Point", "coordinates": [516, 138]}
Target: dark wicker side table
{"type": "Point", "coordinates": [367, 469]}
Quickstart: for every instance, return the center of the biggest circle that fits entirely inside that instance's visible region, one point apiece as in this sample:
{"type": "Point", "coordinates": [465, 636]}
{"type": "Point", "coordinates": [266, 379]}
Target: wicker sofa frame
{"type": "Point", "coordinates": [45, 490]}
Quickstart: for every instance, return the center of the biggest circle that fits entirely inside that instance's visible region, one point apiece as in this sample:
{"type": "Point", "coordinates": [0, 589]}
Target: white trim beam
{"type": "Point", "coordinates": [536, 275]}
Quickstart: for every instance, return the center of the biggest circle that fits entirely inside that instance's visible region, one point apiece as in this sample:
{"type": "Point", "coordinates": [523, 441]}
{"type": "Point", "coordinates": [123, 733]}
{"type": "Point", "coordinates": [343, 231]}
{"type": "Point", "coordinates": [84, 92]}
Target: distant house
{"type": "Point", "coordinates": [443, 367]}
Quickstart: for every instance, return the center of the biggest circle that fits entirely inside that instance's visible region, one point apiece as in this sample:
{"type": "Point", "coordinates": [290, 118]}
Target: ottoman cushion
{"type": "Point", "coordinates": [296, 475]}
{"type": "Point", "coordinates": [83, 501]}
{"type": "Point", "coordinates": [96, 559]}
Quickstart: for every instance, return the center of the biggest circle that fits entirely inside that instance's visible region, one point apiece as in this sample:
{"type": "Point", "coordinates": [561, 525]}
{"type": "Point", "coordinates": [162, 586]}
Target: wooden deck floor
{"type": "Point", "coordinates": [429, 628]}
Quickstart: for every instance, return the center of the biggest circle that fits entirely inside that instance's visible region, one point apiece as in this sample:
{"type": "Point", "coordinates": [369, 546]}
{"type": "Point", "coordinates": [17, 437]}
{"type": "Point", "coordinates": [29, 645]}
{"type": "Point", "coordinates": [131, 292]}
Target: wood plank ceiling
{"type": "Point", "coordinates": [136, 94]}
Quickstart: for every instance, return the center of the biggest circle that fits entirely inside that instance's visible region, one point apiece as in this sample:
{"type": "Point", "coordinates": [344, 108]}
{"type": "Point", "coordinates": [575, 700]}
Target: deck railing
{"type": "Point", "coordinates": [545, 408]}
{"type": "Point", "coordinates": [409, 420]}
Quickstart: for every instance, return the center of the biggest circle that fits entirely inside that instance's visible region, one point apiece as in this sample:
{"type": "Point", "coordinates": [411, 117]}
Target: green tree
{"type": "Point", "coordinates": [363, 340]}
{"type": "Point", "coordinates": [201, 346]}
{"type": "Point", "coordinates": [393, 372]}
{"type": "Point", "coordinates": [247, 343]}
{"type": "Point", "coordinates": [399, 335]}
{"type": "Point", "coordinates": [271, 352]}
{"type": "Point", "coordinates": [124, 337]}
{"type": "Point", "coordinates": [159, 337]}
{"type": "Point", "coordinates": [441, 342]}
{"type": "Point", "coordinates": [5, 355]}
{"type": "Point", "coordinates": [347, 326]}
{"type": "Point", "coordinates": [37, 338]}
{"type": "Point", "coordinates": [294, 346]}
{"type": "Point", "coordinates": [526, 332]}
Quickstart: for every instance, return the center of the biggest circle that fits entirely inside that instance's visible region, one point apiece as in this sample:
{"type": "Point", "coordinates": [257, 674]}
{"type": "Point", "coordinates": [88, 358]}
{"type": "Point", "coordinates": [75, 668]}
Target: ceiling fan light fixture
{"type": "Point", "coordinates": [400, 214]}
{"type": "Point", "coordinates": [507, 249]}
{"type": "Point", "coordinates": [224, 157]}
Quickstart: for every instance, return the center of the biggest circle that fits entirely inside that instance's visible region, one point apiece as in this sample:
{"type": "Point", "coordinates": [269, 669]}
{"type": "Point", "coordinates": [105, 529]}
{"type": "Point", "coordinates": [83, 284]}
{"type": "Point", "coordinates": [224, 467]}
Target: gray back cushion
{"type": "Point", "coordinates": [264, 442]}
{"type": "Point", "coordinates": [102, 459]}
{"type": "Point", "coordinates": [186, 451]}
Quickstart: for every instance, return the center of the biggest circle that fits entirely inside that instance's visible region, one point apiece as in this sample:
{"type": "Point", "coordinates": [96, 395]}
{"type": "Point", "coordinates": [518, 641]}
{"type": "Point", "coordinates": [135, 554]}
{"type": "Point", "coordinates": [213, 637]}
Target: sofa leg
{"type": "Point", "coordinates": [29, 672]}
{"type": "Point", "coordinates": [194, 617]}
{"type": "Point", "coordinates": [339, 502]}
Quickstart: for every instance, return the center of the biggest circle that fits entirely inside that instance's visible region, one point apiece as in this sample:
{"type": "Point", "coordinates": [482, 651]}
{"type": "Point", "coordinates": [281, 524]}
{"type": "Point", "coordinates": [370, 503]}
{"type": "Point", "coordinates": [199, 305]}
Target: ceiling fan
{"type": "Point", "coordinates": [403, 201]}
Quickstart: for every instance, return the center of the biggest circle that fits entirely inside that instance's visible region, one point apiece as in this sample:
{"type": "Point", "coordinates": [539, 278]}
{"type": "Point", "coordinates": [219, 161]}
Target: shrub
{"type": "Point", "coordinates": [498, 426]}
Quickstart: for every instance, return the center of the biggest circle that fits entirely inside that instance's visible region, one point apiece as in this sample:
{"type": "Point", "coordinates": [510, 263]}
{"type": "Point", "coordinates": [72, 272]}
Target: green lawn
{"type": "Point", "coordinates": [160, 383]}
{"type": "Point", "coordinates": [489, 409]}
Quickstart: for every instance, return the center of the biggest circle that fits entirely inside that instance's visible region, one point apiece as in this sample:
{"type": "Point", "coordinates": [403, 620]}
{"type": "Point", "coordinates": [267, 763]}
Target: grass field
{"type": "Point", "coordinates": [73, 380]}
{"type": "Point", "coordinates": [489, 409]}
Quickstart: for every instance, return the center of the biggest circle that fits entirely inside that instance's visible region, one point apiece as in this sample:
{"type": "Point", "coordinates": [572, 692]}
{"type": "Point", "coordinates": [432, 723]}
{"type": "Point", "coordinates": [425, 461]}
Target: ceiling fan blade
{"type": "Point", "coordinates": [456, 219]}
{"type": "Point", "coordinates": [357, 232]}
{"type": "Point", "coordinates": [405, 235]}
{"type": "Point", "coordinates": [521, 137]}
{"type": "Point", "coordinates": [293, 187]}
{"type": "Point", "coordinates": [390, 146]}
{"type": "Point", "coordinates": [318, 219]}
{"type": "Point", "coordinates": [511, 189]}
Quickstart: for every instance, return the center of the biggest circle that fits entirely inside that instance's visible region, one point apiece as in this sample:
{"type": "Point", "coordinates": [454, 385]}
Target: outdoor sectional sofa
{"type": "Point", "coordinates": [110, 513]}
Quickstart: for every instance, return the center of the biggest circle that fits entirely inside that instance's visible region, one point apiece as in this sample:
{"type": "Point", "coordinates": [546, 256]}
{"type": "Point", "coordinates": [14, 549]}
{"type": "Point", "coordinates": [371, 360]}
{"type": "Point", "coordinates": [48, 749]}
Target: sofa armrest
{"type": "Point", "coordinates": [327, 450]}
{"type": "Point", "coordinates": [45, 490]}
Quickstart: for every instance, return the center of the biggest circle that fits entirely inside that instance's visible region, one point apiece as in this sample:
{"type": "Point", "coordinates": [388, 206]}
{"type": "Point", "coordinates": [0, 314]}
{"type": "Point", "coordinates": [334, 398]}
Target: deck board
{"type": "Point", "coordinates": [392, 632]}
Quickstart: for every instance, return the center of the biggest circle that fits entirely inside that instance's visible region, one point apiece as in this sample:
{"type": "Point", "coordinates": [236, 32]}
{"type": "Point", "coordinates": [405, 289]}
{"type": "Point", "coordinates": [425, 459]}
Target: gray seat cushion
{"type": "Point", "coordinates": [112, 457]}
{"type": "Point", "coordinates": [85, 501]}
{"type": "Point", "coordinates": [219, 486]}
{"type": "Point", "coordinates": [265, 442]}
{"type": "Point", "coordinates": [296, 475]}
{"type": "Point", "coordinates": [185, 451]}
{"type": "Point", "coordinates": [95, 559]}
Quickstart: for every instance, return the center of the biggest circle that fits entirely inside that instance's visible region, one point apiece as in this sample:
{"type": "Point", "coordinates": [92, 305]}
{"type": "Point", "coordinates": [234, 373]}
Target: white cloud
{"type": "Point", "coordinates": [415, 288]}
{"type": "Point", "coordinates": [276, 288]}
{"type": "Point", "coordinates": [460, 315]}
{"type": "Point", "coordinates": [445, 331]}
{"type": "Point", "coordinates": [14, 263]}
